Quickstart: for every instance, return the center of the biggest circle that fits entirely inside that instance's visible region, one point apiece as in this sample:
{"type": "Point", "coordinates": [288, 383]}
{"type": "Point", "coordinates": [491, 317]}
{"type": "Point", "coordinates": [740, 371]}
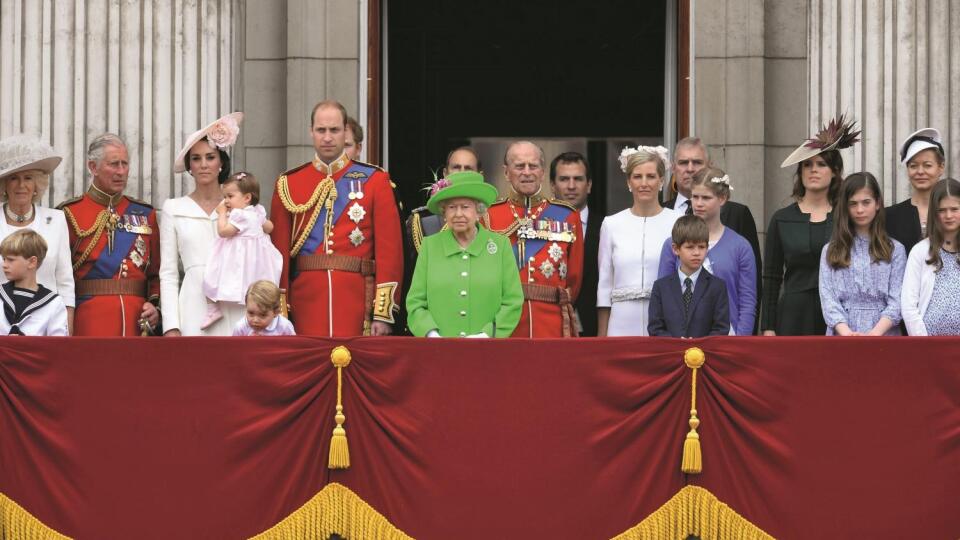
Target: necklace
{"type": "Point", "coordinates": [17, 218]}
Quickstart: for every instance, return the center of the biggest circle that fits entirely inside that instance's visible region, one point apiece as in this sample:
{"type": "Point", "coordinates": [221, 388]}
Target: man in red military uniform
{"type": "Point", "coordinates": [547, 241]}
{"type": "Point", "coordinates": [115, 246]}
{"type": "Point", "coordinates": [337, 226]}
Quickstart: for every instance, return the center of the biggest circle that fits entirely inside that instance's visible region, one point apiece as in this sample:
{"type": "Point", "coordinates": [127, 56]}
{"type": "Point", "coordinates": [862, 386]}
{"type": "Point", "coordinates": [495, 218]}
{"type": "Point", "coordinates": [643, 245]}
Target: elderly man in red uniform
{"type": "Point", "coordinates": [547, 241]}
{"type": "Point", "coordinates": [115, 244]}
{"type": "Point", "coordinates": [337, 226]}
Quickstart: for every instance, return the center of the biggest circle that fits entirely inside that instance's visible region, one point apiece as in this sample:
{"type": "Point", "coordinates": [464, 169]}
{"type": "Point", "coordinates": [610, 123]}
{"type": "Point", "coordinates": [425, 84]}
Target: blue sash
{"type": "Point", "coordinates": [355, 173]}
{"type": "Point", "coordinates": [553, 212]}
{"type": "Point", "coordinates": [108, 262]}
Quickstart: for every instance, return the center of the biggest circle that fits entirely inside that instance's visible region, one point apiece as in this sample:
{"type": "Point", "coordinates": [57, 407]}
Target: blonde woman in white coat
{"type": "Point", "coordinates": [26, 164]}
{"type": "Point", "coordinates": [188, 227]}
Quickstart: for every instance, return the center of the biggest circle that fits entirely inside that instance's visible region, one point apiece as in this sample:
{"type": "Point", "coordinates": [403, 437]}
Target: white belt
{"type": "Point", "coordinates": [626, 294]}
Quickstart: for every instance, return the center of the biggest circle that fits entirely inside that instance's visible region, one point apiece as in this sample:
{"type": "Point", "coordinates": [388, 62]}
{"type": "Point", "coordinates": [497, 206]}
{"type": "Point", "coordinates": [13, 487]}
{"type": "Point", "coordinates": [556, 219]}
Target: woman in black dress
{"type": "Point", "coordinates": [796, 235]}
{"type": "Point", "coordinates": [923, 155]}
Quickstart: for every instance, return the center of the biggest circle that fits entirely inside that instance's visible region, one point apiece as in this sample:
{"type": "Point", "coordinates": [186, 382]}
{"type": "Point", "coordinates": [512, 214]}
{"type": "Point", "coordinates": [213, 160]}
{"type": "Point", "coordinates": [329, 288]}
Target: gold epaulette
{"type": "Point", "coordinates": [377, 167]}
{"type": "Point", "coordinates": [416, 228]}
{"type": "Point", "coordinates": [138, 201]}
{"type": "Point", "coordinates": [69, 201]}
{"type": "Point", "coordinates": [562, 203]}
{"type": "Point", "coordinates": [500, 200]}
{"type": "Point", "coordinates": [297, 168]}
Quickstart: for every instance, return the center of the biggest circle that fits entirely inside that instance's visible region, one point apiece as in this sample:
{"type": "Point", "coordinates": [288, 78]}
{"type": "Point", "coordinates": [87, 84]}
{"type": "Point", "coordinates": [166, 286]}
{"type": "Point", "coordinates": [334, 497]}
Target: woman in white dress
{"type": "Point", "coordinates": [26, 164]}
{"type": "Point", "coordinates": [630, 245]}
{"type": "Point", "coordinates": [188, 227]}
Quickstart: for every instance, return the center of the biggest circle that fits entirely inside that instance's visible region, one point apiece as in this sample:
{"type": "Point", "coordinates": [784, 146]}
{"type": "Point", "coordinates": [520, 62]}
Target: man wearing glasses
{"type": "Point", "coordinates": [547, 240]}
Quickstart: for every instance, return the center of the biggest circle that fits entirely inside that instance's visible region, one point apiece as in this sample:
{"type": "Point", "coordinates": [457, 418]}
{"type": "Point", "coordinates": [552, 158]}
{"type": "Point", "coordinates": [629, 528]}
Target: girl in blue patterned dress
{"type": "Point", "coordinates": [861, 269]}
{"type": "Point", "coordinates": [931, 283]}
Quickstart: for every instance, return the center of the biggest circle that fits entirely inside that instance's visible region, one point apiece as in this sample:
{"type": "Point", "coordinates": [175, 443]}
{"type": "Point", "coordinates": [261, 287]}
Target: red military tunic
{"type": "Point", "coordinates": [114, 273]}
{"type": "Point", "coordinates": [330, 222]}
{"type": "Point", "coordinates": [548, 242]}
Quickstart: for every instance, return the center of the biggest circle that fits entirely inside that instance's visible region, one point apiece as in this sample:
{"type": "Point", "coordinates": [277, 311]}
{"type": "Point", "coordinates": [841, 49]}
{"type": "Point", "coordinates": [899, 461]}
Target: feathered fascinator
{"type": "Point", "coordinates": [838, 134]}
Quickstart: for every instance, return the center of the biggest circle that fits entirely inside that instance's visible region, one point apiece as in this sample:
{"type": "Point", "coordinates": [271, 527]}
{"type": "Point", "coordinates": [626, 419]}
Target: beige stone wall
{"type": "Point", "coordinates": [294, 53]}
{"type": "Point", "coordinates": [893, 65]}
{"type": "Point", "coordinates": [151, 72]}
{"type": "Point", "coordinates": [749, 93]}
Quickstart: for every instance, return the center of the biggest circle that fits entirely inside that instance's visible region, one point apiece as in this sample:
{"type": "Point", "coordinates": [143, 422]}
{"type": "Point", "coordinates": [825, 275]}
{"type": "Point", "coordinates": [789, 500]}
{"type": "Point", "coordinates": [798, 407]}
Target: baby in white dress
{"type": "Point", "coordinates": [242, 253]}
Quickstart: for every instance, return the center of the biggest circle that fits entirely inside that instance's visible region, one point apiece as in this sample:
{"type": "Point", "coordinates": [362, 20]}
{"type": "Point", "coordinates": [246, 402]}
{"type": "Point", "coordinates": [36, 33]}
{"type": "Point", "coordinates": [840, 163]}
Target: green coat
{"type": "Point", "coordinates": [460, 291]}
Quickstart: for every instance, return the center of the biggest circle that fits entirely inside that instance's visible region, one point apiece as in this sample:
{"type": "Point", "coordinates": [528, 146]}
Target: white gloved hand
{"type": "Point", "coordinates": [480, 335]}
{"type": "Point", "coordinates": [433, 333]}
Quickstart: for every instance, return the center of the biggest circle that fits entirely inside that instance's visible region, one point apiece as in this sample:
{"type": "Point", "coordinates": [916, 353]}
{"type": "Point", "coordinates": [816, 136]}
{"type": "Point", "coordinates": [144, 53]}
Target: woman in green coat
{"type": "Point", "coordinates": [465, 283]}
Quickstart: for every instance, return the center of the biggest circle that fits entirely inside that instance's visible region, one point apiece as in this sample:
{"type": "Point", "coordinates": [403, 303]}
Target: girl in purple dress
{"type": "Point", "coordinates": [729, 255]}
{"type": "Point", "coordinates": [242, 252]}
{"type": "Point", "coordinates": [861, 268]}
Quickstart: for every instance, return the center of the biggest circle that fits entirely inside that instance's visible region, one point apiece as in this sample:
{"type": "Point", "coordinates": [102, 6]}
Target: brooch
{"type": "Point", "coordinates": [356, 237]}
{"type": "Point", "coordinates": [555, 251]}
{"type": "Point", "coordinates": [491, 247]}
{"type": "Point", "coordinates": [356, 212]}
{"type": "Point", "coordinates": [546, 267]}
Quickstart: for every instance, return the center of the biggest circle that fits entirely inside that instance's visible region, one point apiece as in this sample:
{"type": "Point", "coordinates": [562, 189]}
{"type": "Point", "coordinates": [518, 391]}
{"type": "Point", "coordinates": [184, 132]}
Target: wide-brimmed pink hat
{"type": "Point", "coordinates": [221, 133]}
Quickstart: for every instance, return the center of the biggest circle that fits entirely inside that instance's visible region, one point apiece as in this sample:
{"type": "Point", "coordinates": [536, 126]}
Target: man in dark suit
{"type": "Point", "coordinates": [690, 156]}
{"type": "Point", "coordinates": [690, 302]}
{"type": "Point", "coordinates": [571, 182]}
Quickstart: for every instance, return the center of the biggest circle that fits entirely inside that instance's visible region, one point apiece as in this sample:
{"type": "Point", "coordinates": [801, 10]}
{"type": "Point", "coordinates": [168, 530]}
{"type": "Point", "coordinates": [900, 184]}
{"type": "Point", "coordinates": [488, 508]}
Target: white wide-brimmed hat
{"type": "Point", "coordinates": [919, 141]}
{"type": "Point", "coordinates": [26, 153]}
{"type": "Point", "coordinates": [836, 135]}
{"type": "Point", "coordinates": [221, 133]}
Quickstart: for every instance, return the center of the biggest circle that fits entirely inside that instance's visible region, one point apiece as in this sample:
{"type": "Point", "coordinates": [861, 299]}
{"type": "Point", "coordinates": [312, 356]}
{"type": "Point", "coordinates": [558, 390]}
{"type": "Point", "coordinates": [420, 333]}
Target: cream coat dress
{"type": "Point", "coordinates": [186, 240]}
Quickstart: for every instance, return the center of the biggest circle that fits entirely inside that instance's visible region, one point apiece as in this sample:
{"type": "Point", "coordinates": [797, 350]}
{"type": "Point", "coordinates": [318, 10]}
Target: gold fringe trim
{"type": "Point", "coordinates": [18, 524]}
{"type": "Point", "coordinates": [694, 511]}
{"type": "Point", "coordinates": [334, 510]}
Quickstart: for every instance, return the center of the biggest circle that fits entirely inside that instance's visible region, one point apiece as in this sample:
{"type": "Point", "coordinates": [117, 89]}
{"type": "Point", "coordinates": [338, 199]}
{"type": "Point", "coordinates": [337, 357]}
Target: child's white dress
{"type": "Point", "coordinates": [236, 262]}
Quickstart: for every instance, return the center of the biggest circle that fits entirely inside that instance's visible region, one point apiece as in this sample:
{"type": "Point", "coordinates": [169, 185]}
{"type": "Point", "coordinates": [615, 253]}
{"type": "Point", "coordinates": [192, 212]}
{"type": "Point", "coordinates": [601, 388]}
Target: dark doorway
{"type": "Point", "coordinates": [459, 70]}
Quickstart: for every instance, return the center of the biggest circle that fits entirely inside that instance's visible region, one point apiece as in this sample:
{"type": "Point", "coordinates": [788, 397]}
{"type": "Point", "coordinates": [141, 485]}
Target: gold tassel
{"type": "Point", "coordinates": [692, 462]}
{"type": "Point", "coordinates": [339, 450]}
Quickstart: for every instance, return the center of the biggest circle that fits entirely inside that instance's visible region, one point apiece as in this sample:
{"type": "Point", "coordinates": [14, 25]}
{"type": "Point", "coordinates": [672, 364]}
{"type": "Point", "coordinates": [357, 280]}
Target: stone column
{"type": "Point", "coordinates": [151, 72]}
{"type": "Point", "coordinates": [295, 53]}
{"type": "Point", "coordinates": [893, 65]}
{"type": "Point", "coordinates": [728, 90]}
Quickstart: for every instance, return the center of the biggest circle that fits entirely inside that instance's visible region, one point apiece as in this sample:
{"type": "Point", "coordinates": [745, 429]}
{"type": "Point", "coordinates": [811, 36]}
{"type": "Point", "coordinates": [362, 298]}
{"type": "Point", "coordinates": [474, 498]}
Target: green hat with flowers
{"type": "Point", "coordinates": [468, 184]}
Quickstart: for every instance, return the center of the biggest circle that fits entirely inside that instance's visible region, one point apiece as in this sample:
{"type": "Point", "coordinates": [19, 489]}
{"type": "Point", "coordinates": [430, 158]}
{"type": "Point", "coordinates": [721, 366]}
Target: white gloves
{"type": "Point", "coordinates": [480, 335]}
{"type": "Point", "coordinates": [433, 333]}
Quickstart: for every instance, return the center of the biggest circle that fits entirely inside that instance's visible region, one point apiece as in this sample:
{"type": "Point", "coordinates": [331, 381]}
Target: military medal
{"type": "Point", "coordinates": [555, 251]}
{"type": "Point", "coordinates": [491, 247]}
{"type": "Point", "coordinates": [356, 237]}
{"type": "Point", "coordinates": [562, 270]}
{"type": "Point", "coordinates": [136, 258]}
{"type": "Point", "coordinates": [356, 190]}
{"type": "Point", "coordinates": [546, 267]}
{"type": "Point", "coordinates": [525, 230]}
{"type": "Point", "coordinates": [356, 212]}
